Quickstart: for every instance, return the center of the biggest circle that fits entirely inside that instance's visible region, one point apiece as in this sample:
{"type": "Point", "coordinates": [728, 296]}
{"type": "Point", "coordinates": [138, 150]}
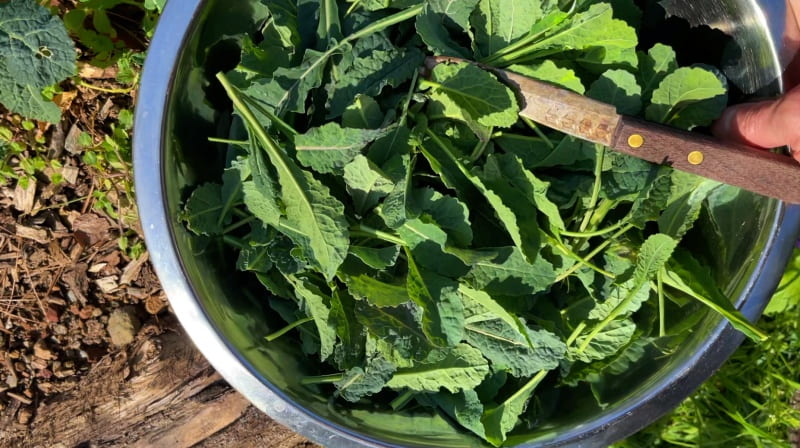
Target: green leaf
{"type": "Point", "coordinates": [394, 208]}
{"type": "Point", "coordinates": [35, 49]}
{"type": "Point", "coordinates": [591, 29]}
{"type": "Point", "coordinates": [256, 257]}
{"type": "Point", "coordinates": [499, 23]}
{"type": "Point", "coordinates": [787, 296]}
{"type": "Point", "coordinates": [652, 200]}
{"type": "Point", "coordinates": [288, 89]}
{"type": "Point", "coordinates": [261, 191]}
{"type": "Point", "coordinates": [571, 153]}
{"type": "Point", "coordinates": [527, 240]}
{"type": "Point", "coordinates": [688, 97]}
{"type": "Point", "coordinates": [534, 190]}
{"type": "Point", "coordinates": [478, 92]}
{"type": "Point", "coordinates": [464, 407]}
{"type": "Point", "coordinates": [442, 106]}
{"type": "Point", "coordinates": [606, 343]}
{"type": "Point", "coordinates": [448, 212]}
{"type": "Point", "coordinates": [684, 210]}
{"type": "Point", "coordinates": [687, 275]}
{"type": "Point", "coordinates": [379, 347]}
{"type": "Point", "coordinates": [457, 11]}
{"type": "Point", "coordinates": [654, 66]}
{"type": "Point", "coordinates": [157, 5]}
{"type": "Point", "coordinates": [329, 29]}
{"type": "Point", "coordinates": [352, 336]}
{"type": "Point", "coordinates": [313, 302]}
{"type": "Point", "coordinates": [27, 101]}
{"type": "Point", "coordinates": [399, 326]}
{"type": "Point", "coordinates": [507, 273]}
{"type": "Point", "coordinates": [386, 151]}
{"type": "Point", "coordinates": [314, 219]}
{"type": "Point", "coordinates": [618, 88]}
{"type": "Point", "coordinates": [501, 419]}
{"type": "Point", "coordinates": [505, 177]}
{"type": "Point", "coordinates": [364, 113]}
{"type": "Point", "coordinates": [366, 184]}
{"type": "Point", "coordinates": [203, 210]}
{"type": "Point", "coordinates": [376, 258]}
{"type": "Point", "coordinates": [439, 15]}
{"type": "Point", "coordinates": [455, 369]}
{"type": "Point", "coordinates": [653, 256]}
{"type": "Point", "coordinates": [284, 256]}
{"type": "Point", "coordinates": [327, 149]}
{"type": "Point", "coordinates": [362, 382]}
{"type": "Point", "coordinates": [371, 74]}
{"type": "Point", "coordinates": [510, 346]}
{"type": "Point", "coordinates": [548, 71]}
{"type": "Point", "coordinates": [626, 177]}
{"type": "Point", "coordinates": [443, 312]}
{"type": "Point", "coordinates": [376, 292]}
{"type": "Point", "coordinates": [262, 59]}
{"type": "Point", "coordinates": [479, 302]}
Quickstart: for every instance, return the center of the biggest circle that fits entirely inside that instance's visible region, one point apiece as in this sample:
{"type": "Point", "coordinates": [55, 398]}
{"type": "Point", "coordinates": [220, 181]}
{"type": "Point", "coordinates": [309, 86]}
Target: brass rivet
{"type": "Point", "coordinates": [635, 141]}
{"type": "Point", "coordinates": [696, 157]}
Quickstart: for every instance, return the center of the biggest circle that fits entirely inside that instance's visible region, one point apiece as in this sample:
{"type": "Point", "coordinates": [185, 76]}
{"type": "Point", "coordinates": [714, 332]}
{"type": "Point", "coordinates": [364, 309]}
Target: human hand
{"type": "Point", "coordinates": [770, 124]}
{"type": "Point", "coordinates": [766, 124]}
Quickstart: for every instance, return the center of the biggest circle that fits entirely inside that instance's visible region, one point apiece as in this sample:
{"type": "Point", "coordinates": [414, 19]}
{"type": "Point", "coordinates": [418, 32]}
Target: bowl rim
{"type": "Point", "coordinates": [176, 25]}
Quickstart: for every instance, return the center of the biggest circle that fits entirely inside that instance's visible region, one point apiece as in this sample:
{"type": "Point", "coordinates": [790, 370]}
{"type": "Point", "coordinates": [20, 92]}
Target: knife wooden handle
{"type": "Point", "coordinates": [760, 171]}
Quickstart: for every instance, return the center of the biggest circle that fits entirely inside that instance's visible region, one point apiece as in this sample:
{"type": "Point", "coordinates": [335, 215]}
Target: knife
{"type": "Point", "coordinates": [763, 172]}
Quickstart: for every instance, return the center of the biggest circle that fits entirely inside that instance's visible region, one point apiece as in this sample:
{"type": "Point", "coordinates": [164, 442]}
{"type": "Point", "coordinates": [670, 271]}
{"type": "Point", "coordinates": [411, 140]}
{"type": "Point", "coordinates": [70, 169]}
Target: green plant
{"type": "Point", "coordinates": [751, 401]}
{"type": "Point", "coordinates": [109, 29]}
{"type": "Point", "coordinates": [110, 163]}
{"type": "Point", "coordinates": [23, 155]}
{"type": "Point", "coordinates": [422, 239]}
{"type": "Point", "coordinates": [35, 53]}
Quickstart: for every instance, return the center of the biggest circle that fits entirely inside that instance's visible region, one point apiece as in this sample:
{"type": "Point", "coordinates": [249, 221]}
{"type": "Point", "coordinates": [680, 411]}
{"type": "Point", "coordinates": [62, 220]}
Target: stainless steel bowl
{"type": "Point", "coordinates": [749, 239]}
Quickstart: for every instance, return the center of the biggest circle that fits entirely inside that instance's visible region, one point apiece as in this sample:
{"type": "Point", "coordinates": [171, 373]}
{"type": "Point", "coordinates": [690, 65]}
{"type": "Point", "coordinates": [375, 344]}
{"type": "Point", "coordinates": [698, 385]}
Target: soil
{"type": "Point", "coordinates": [75, 308]}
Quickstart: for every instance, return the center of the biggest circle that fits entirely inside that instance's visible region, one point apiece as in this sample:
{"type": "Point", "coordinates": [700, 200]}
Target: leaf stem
{"type": "Point", "coordinates": [530, 385]}
{"type": "Point", "coordinates": [239, 224]}
{"type": "Point", "coordinates": [598, 185]}
{"type": "Point", "coordinates": [276, 154]}
{"type": "Point", "coordinates": [283, 127]}
{"type": "Point", "coordinates": [235, 242]}
{"type": "Point", "coordinates": [288, 328]}
{"type": "Point", "coordinates": [409, 97]}
{"type": "Point", "coordinates": [538, 132]}
{"type": "Point", "coordinates": [226, 141]}
{"type": "Point", "coordinates": [386, 22]}
{"type": "Point", "coordinates": [662, 326]}
{"type": "Point", "coordinates": [594, 234]}
{"type": "Point", "coordinates": [581, 262]}
{"type": "Point", "coordinates": [596, 251]}
{"type": "Point", "coordinates": [369, 232]}
{"type": "Point", "coordinates": [616, 312]}
{"type": "Point", "coordinates": [576, 332]}
{"type": "Point", "coordinates": [322, 379]}
{"type": "Point", "coordinates": [480, 148]}
{"type": "Point", "coordinates": [402, 400]}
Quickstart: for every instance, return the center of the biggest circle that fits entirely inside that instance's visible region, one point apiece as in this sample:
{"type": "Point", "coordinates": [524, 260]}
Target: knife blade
{"type": "Point", "coordinates": [763, 172]}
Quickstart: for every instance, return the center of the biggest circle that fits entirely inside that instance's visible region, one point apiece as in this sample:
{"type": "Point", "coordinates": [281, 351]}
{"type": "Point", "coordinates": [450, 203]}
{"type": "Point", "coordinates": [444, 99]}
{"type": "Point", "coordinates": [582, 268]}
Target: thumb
{"type": "Point", "coordinates": [766, 124]}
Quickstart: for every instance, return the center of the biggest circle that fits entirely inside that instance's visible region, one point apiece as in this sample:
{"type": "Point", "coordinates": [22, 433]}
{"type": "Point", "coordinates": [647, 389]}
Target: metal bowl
{"type": "Point", "coordinates": [748, 240]}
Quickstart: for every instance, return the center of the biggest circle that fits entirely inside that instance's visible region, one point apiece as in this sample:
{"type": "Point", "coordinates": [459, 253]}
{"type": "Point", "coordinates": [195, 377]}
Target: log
{"type": "Point", "coordinates": [158, 392]}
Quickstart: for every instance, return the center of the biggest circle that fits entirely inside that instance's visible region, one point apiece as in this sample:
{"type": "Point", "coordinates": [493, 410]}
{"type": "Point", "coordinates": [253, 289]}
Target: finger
{"type": "Point", "coordinates": [766, 124]}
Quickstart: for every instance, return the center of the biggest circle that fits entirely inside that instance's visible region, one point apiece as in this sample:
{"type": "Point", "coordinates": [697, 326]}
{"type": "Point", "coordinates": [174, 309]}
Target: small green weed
{"type": "Point", "coordinates": [109, 29]}
{"type": "Point", "coordinates": [23, 154]}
